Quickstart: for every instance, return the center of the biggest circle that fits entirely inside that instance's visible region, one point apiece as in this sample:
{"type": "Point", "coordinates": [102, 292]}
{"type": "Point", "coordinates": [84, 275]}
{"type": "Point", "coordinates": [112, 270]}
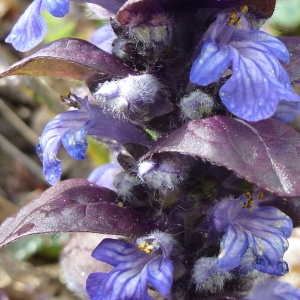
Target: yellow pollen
{"type": "Point", "coordinates": [232, 18]}
{"type": "Point", "coordinates": [239, 23]}
{"type": "Point", "coordinates": [249, 204]}
{"type": "Point", "coordinates": [244, 8]}
{"type": "Point", "coordinates": [146, 247]}
{"type": "Point", "coordinates": [247, 194]}
{"type": "Point", "coordinates": [260, 196]}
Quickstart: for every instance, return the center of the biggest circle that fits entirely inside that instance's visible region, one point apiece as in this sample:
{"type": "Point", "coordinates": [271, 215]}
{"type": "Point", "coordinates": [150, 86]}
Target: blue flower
{"type": "Point", "coordinates": [31, 28]}
{"type": "Point", "coordinates": [105, 175]}
{"type": "Point", "coordinates": [136, 265]}
{"type": "Point", "coordinates": [258, 80]}
{"type": "Point", "coordinates": [252, 231]}
{"type": "Point", "coordinates": [103, 38]}
{"type": "Point", "coordinates": [271, 289]}
{"type": "Point", "coordinates": [70, 129]}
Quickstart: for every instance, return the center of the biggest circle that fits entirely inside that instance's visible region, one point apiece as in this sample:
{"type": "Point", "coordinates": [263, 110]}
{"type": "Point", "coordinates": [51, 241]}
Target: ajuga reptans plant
{"type": "Point", "coordinates": [193, 100]}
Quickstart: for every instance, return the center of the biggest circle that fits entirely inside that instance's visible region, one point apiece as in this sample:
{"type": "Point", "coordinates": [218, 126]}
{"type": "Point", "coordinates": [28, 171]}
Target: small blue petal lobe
{"type": "Point", "coordinates": [51, 166]}
{"type": "Point", "coordinates": [160, 274]}
{"type": "Point", "coordinates": [253, 91]}
{"type": "Point", "coordinates": [211, 64]}
{"type": "Point", "coordinates": [67, 128]}
{"type": "Point", "coordinates": [114, 252]}
{"type": "Point", "coordinates": [269, 288]}
{"type": "Point", "coordinates": [269, 42]}
{"type": "Point", "coordinates": [234, 245]}
{"type": "Point", "coordinates": [30, 29]}
{"type": "Point", "coordinates": [57, 8]}
{"type": "Point", "coordinates": [75, 143]}
{"type": "Point", "coordinates": [287, 111]}
{"type": "Point", "coordinates": [279, 269]}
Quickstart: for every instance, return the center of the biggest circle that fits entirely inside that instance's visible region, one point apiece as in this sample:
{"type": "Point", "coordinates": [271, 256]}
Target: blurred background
{"type": "Point", "coordinates": [29, 268]}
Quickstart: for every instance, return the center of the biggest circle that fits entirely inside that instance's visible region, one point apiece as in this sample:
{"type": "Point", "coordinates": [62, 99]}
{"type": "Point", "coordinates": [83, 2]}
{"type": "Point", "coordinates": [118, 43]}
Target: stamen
{"type": "Point", "coordinates": [146, 247]}
{"type": "Point", "coordinates": [70, 100]}
{"type": "Point", "coordinates": [244, 8]}
{"type": "Point", "coordinates": [260, 196]}
{"type": "Point", "coordinates": [247, 194]}
{"type": "Point", "coordinates": [249, 204]}
{"type": "Point", "coordinates": [232, 19]}
{"type": "Point", "coordinates": [239, 23]}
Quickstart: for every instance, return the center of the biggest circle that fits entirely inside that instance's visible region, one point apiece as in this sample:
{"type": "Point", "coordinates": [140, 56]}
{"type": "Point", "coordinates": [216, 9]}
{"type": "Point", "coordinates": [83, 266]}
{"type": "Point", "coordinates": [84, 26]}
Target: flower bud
{"type": "Point", "coordinates": [164, 175]}
{"type": "Point", "coordinates": [128, 51]}
{"type": "Point", "coordinates": [125, 184]}
{"type": "Point", "coordinates": [196, 105]}
{"type": "Point", "coordinates": [207, 276]}
{"type": "Point", "coordinates": [151, 31]}
{"type": "Point", "coordinates": [133, 97]}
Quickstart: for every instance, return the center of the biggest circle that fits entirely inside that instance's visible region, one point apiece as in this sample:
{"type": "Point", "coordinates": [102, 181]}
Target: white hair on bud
{"type": "Point", "coordinates": [129, 97]}
{"type": "Point", "coordinates": [207, 276]}
{"type": "Point", "coordinates": [109, 89]}
{"type": "Point", "coordinates": [124, 182]}
{"type": "Point", "coordinates": [141, 88]}
{"type": "Point", "coordinates": [165, 175]}
{"type": "Point", "coordinates": [245, 268]}
{"type": "Point", "coordinates": [152, 30]}
{"type": "Point", "coordinates": [196, 105]}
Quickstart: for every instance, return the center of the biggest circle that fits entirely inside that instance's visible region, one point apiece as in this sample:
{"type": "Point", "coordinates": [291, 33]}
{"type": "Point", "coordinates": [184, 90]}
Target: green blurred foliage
{"type": "Point", "coordinates": [59, 27]}
{"type": "Point", "coordinates": [286, 18]}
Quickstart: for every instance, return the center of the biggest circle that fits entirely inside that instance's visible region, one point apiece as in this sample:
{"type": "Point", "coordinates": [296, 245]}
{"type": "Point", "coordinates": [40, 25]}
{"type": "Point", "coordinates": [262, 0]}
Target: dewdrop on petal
{"type": "Point", "coordinates": [207, 276]}
{"type": "Point", "coordinates": [196, 105]}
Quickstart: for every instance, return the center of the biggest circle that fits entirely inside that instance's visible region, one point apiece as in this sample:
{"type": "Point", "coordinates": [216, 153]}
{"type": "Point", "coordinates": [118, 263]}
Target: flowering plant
{"type": "Point", "coordinates": [192, 98]}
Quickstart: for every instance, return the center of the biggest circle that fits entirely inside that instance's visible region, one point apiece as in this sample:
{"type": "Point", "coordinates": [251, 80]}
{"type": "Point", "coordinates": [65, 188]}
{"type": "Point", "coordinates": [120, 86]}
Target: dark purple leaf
{"type": "Point", "coordinates": [261, 8]}
{"type": "Point", "coordinates": [293, 45]}
{"type": "Point", "coordinates": [132, 7]}
{"type": "Point", "coordinates": [70, 58]}
{"type": "Point", "coordinates": [74, 205]}
{"type": "Point", "coordinates": [265, 153]}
